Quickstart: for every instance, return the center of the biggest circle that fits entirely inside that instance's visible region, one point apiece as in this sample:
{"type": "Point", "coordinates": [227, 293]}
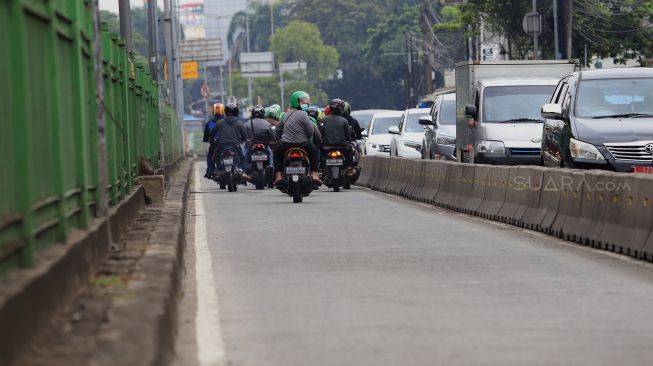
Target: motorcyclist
{"type": "Point", "coordinates": [258, 129]}
{"type": "Point", "coordinates": [357, 131]}
{"type": "Point", "coordinates": [217, 113]}
{"type": "Point", "coordinates": [273, 114]}
{"type": "Point", "coordinates": [297, 130]}
{"type": "Point", "coordinates": [229, 132]}
{"type": "Point", "coordinates": [337, 130]}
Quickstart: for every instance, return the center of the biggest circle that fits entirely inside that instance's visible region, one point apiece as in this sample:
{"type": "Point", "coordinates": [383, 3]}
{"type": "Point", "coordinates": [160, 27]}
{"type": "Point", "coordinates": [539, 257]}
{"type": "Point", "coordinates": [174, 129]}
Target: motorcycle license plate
{"type": "Point", "coordinates": [295, 170]}
{"type": "Point", "coordinates": [229, 161]}
{"type": "Point", "coordinates": [260, 157]}
{"type": "Point", "coordinates": [335, 162]}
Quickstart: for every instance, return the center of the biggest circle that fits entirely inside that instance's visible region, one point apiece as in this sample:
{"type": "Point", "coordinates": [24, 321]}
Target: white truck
{"type": "Point", "coordinates": [498, 107]}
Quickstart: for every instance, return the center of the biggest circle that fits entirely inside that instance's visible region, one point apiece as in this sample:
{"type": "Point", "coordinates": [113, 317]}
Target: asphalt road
{"type": "Point", "coordinates": [363, 278]}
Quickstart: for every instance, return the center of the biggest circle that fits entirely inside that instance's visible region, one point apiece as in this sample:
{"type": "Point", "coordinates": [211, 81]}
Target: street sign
{"type": "Point", "coordinates": [532, 23]}
{"type": "Point", "coordinates": [205, 91]}
{"type": "Point", "coordinates": [257, 64]}
{"type": "Point", "coordinates": [201, 50]}
{"type": "Point", "coordinates": [292, 66]}
{"type": "Point", "coordinates": [189, 70]}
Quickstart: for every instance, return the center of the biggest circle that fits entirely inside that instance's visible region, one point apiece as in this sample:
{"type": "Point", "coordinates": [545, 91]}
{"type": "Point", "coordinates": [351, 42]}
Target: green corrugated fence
{"type": "Point", "coordinates": [49, 169]}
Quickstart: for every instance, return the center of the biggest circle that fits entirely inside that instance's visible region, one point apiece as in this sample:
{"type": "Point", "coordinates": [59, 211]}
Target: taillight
{"type": "Point", "coordinates": [259, 146]}
{"type": "Point", "coordinates": [227, 153]}
{"type": "Point", "coordinates": [295, 155]}
{"type": "Point", "coordinates": [335, 154]}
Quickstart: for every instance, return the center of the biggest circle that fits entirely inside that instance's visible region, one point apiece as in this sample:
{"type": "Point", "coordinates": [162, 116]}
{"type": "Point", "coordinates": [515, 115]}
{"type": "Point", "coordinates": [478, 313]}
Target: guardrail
{"type": "Point", "coordinates": [605, 210]}
{"type": "Point", "coordinates": [49, 168]}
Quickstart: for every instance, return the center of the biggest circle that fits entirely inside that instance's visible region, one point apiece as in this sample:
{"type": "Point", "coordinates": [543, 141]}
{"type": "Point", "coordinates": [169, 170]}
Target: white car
{"type": "Point", "coordinates": [377, 137]}
{"type": "Point", "coordinates": [407, 138]}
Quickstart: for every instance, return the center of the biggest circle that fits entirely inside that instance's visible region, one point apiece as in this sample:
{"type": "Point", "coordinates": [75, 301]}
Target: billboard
{"type": "Point", "coordinates": [191, 17]}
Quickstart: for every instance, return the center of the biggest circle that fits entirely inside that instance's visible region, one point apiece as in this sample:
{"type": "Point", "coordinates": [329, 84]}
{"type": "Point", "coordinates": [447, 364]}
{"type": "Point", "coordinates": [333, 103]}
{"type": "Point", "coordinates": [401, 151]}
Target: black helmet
{"type": "Point", "coordinates": [258, 112]}
{"type": "Point", "coordinates": [337, 106]}
{"type": "Point", "coordinates": [231, 109]}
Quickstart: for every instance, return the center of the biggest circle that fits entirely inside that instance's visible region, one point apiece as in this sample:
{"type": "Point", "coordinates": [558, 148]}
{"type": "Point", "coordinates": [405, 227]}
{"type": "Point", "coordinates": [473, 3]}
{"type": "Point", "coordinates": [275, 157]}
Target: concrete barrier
{"type": "Point", "coordinates": [512, 200]}
{"type": "Point", "coordinates": [463, 190]}
{"type": "Point", "coordinates": [612, 211]}
{"type": "Point", "coordinates": [629, 216]}
{"type": "Point", "coordinates": [570, 186]}
{"type": "Point", "coordinates": [531, 184]}
{"type": "Point", "coordinates": [495, 192]}
{"type": "Point", "coordinates": [452, 177]}
{"type": "Point", "coordinates": [477, 194]}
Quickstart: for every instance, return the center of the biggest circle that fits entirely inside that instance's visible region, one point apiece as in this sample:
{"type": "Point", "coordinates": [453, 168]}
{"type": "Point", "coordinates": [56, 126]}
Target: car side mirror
{"type": "Point", "coordinates": [425, 121]}
{"type": "Point", "coordinates": [364, 133]}
{"type": "Point", "coordinates": [394, 130]}
{"type": "Point", "coordinates": [471, 111]}
{"type": "Point", "coordinates": [551, 111]}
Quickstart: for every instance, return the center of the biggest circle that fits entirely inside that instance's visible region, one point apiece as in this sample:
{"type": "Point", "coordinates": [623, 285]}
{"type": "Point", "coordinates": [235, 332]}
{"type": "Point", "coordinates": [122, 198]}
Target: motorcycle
{"type": "Point", "coordinates": [334, 173]}
{"type": "Point", "coordinates": [298, 183]}
{"type": "Point", "coordinates": [356, 168]}
{"type": "Point", "coordinates": [261, 171]}
{"type": "Point", "coordinates": [228, 175]}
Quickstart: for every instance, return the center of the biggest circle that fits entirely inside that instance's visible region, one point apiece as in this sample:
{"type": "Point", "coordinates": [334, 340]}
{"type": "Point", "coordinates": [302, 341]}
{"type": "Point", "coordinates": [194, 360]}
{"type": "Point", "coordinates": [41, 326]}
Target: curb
{"type": "Point", "coordinates": [143, 328]}
{"type": "Point", "coordinates": [31, 297]}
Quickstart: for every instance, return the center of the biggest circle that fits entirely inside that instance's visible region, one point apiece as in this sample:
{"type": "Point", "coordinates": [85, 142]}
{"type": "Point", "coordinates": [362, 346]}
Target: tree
{"type": "Point", "coordinates": [301, 41]}
{"type": "Point", "coordinates": [617, 29]}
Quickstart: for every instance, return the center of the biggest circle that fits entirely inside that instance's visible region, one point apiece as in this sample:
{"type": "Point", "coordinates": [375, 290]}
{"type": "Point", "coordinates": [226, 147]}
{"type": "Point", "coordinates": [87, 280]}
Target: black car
{"type": "Point", "coordinates": [600, 119]}
{"type": "Point", "coordinates": [440, 136]}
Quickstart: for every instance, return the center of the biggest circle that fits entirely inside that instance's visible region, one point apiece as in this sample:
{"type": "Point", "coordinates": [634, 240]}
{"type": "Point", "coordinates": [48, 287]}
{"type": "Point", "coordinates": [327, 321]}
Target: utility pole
{"type": "Point", "coordinates": [426, 21]}
{"type": "Point", "coordinates": [568, 11]}
{"type": "Point", "coordinates": [249, 79]}
{"type": "Point", "coordinates": [168, 37]}
{"type": "Point", "coordinates": [536, 35]}
{"type": "Point", "coordinates": [125, 23]}
{"type": "Point", "coordinates": [556, 31]}
{"type": "Point", "coordinates": [152, 38]}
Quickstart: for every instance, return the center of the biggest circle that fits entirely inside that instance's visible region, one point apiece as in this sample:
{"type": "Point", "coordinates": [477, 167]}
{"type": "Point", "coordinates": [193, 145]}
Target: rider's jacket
{"type": "Point", "coordinates": [229, 131]}
{"type": "Point", "coordinates": [259, 130]}
{"type": "Point", "coordinates": [336, 129]}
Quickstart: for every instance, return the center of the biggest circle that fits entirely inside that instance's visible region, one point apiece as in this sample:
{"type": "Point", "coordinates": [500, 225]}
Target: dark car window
{"type": "Point", "coordinates": [364, 119]}
{"type": "Point", "coordinates": [412, 122]}
{"type": "Point", "coordinates": [600, 98]}
{"type": "Point", "coordinates": [505, 103]}
{"type": "Point", "coordinates": [381, 125]}
{"type": "Point", "coordinates": [448, 112]}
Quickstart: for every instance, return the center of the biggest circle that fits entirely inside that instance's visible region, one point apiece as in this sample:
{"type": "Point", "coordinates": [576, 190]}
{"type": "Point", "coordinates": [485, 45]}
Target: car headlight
{"type": "Point", "coordinates": [583, 150]}
{"type": "Point", "coordinates": [415, 145]}
{"type": "Point", "coordinates": [491, 147]}
{"type": "Point", "coordinates": [445, 140]}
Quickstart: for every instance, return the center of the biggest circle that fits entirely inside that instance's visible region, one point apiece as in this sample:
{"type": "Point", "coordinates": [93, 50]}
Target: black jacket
{"type": "Point", "coordinates": [336, 129]}
{"type": "Point", "coordinates": [259, 130]}
{"type": "Point", "coordinates": [229, 131]}
{"type": "Point", "coordinates": [356, 130]}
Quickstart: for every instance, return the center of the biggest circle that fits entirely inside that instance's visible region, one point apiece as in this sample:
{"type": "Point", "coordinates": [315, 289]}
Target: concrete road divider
{"type": "Point", "coordinates": [477, 194]}
{"type": "Point", "coordinates": [612, 211]}
{"type": "Point", "coordinates": [631, 216]}
{"type": "Point", "coordinates": [464, 188]}
{"type": "Point", "coordinates": [495, 192]}
{"type": "Point", "coordinates": [512, 201]}
{"type": "Point", "coordinates": [570, 185]}
{"type": "Point", "coordinates": [531, 184]}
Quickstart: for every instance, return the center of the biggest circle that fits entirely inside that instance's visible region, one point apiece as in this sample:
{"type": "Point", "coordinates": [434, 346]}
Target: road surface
{"type": "Point", "coordinates": [364, 278]}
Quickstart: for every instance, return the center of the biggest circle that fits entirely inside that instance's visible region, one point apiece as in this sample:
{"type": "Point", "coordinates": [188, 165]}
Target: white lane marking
{"type": "Point", "coordinates": [210, 345]}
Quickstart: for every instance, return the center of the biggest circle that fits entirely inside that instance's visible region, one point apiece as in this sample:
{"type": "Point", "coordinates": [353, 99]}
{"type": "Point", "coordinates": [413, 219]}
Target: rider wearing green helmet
{"type": "Point", "coordinates": [297, 130]}
{"type": "Point", "coordinates": [273, 114]}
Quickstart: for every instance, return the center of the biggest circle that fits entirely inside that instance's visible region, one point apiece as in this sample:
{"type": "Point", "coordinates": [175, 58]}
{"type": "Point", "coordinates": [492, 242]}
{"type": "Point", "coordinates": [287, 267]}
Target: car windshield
{"type": "Point", "coordinates": [381, 125]}
{"type": "Point", "coordinates": [412, 123]}
{"type": "Point", "coordinates": [364, 118]}
{"type": "Point", "coordinates": [515, 103]}
{"type": "Point", "coordinates": [448, 112]}
{"type": "Point", "coordinates": [614, 97]}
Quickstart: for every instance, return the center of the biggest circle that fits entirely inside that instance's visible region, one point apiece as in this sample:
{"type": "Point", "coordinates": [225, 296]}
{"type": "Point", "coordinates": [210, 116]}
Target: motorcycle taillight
{"type": "Point", "coordinates": [295, 155]}
{"type": "Point", "coordinates": [259, 146]}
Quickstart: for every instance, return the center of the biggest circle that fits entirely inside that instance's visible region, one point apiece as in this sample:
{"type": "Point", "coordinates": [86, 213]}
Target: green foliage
{"type": "Point", "coordinates": [617, 29]}
{"type": "Point", "coordinates": [301, 41]}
